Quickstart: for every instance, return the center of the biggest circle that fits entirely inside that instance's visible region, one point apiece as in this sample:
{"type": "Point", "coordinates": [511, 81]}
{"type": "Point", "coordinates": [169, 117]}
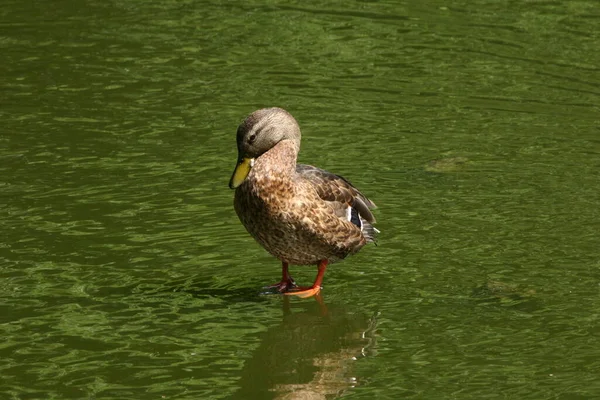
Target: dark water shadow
{"type": "Point", "coordinates": [310, 354]}
{"type": "Point", "coordinates": [206, 288]}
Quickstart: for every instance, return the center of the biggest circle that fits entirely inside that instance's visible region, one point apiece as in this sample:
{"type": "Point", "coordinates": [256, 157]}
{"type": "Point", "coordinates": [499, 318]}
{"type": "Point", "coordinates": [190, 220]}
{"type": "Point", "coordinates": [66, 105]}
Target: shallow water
{"type": "Point", "coordinates": [125, 274]}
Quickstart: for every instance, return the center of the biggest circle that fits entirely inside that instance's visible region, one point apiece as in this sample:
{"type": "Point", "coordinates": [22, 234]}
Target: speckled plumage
{"type": "Point", "coordinates": [298, 213]}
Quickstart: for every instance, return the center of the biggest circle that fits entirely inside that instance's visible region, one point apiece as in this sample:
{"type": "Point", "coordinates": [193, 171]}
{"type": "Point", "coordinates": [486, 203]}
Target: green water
{"type": "Point", "coordinates": [125, 274]}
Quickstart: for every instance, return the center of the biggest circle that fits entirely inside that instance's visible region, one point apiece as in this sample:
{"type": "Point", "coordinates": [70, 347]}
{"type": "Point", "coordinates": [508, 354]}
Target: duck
{"type": "Point", "coordinates": [300, 214]}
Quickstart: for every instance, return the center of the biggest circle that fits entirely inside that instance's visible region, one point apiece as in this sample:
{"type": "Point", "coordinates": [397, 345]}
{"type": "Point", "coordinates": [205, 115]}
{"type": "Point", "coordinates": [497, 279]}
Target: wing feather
{"type": "Point", "coordinates": [335, 188]}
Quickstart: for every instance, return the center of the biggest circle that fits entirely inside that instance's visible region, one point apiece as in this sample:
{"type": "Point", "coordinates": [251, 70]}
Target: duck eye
{"type": "Point", "coordinates": [252, 138]}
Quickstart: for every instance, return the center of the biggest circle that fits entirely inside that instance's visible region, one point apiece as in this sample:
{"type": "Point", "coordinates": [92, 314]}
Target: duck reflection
{"type": "Point", "coordinates": [309, 355]}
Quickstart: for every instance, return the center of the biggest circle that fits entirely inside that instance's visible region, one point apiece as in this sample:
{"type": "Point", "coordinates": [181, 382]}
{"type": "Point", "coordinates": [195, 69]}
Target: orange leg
{"type": "Point", "coordinates": [286, 283]}
{"type": "Point", "coordinates": [308, 291]}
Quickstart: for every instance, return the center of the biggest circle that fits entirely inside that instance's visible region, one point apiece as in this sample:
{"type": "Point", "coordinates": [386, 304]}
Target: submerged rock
{"type": "Point", "coordinates": [501, 290]}
{"type": "Point", "coordinates": [446, 164]}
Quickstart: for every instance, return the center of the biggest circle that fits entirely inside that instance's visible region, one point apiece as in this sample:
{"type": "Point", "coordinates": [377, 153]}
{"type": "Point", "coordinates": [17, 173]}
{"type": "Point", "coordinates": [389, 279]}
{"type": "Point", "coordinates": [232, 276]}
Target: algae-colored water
{"type": "Point", "coordinates": [125, 274]}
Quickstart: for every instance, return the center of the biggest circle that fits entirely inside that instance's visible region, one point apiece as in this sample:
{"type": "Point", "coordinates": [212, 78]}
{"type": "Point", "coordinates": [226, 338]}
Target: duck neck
{"type": "Point", "coordinates": [277, 163]}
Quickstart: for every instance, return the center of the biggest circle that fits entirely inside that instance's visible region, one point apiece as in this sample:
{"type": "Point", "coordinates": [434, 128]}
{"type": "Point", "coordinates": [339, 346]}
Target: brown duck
{"type": "Point", "coordinates": [299, 213]}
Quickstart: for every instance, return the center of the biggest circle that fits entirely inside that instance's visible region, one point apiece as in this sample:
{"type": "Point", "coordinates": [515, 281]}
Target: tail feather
{"type": "Point", "coordinates": [366, 226]}
{"type": "Point", "coordinates": [370, 232]}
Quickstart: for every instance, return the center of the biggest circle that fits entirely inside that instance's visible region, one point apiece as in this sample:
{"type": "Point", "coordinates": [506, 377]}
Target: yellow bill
{"type": "Point", "coordinates": [241, 171]}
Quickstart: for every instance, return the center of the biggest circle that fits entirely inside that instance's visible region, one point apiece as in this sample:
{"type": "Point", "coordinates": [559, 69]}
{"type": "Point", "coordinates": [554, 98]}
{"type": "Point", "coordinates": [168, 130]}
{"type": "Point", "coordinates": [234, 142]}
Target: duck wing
{"type": "Point", "coordinates": [346, 200]}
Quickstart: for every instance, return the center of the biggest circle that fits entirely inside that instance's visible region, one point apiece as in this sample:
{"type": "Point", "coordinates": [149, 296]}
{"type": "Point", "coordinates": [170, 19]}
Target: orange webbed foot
{"type": "Point", "coordinates": [303, 291]}
{"type": "Point", "coordinates": [286, 283]}
{"type": "Point", "coordinates": [283, 286]}
{"type": "Point", "coordinates": [288, 287]}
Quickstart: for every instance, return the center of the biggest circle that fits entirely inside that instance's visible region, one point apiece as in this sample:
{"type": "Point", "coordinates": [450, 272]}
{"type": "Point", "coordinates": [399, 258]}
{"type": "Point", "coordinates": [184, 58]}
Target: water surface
{"type": "Point", "coordinates": [125, 274]}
